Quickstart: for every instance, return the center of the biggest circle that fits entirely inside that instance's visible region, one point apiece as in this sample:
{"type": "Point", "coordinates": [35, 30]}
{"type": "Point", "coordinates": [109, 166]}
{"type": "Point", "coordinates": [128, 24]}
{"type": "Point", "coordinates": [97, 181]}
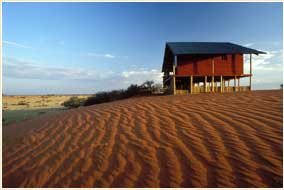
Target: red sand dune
{"type": "Point", "coordinates": [205, 140]}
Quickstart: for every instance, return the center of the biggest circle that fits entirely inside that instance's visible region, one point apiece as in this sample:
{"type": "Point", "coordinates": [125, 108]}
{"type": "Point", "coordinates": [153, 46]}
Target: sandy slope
{"type": "Point", "coordinates": [206, 140]}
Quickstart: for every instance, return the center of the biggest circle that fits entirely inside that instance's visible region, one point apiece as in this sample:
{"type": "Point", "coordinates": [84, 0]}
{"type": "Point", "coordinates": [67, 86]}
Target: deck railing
{"type": "Point", "coordinates": [201, 89]}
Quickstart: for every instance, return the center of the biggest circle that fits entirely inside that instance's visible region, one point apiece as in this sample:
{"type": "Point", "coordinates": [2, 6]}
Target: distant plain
{"type": "Point", "coordinates": [20, 108]}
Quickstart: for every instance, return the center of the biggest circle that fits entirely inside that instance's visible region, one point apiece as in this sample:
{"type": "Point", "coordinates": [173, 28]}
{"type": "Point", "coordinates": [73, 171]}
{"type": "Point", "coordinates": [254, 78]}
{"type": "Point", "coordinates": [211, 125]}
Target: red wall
{"type": "Point", "coordinates": [202, 65]}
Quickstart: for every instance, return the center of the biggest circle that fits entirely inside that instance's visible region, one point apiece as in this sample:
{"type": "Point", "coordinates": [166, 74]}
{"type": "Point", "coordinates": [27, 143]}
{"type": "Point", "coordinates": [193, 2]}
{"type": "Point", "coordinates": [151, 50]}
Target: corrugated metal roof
{"type": "Point", "coordinates": [181, 48]}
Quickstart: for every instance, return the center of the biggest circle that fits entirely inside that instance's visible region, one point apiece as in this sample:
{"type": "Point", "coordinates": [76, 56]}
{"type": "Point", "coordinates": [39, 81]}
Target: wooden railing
{"type": "Point", "coordinates": [201, 89]}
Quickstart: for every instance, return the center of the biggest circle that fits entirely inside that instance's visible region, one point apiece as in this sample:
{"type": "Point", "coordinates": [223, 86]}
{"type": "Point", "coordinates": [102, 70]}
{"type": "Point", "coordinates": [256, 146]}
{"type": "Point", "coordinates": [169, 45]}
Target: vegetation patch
{"type": "Point", "coordinates": [74, 102]}
{"type": "Point", "coordinates": [22, 103]}
{"type": "Point", "coordinates": [148, 88]}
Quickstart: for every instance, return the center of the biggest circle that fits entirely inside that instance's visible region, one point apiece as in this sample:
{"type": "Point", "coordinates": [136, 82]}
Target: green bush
{"type": "Point", "coordinates": [74, 102]}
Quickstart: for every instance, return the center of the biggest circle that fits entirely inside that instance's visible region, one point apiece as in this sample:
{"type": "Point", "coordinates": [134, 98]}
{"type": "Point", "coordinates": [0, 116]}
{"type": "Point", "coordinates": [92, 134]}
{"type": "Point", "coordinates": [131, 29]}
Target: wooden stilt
{"type": "Point", "coordinates": [191, 84]}
{"type": "Point", "coordinates": [205, 84]}
{"type": "Point", "coordinates": [235, 89]}
{"type": "Point", "coordinates": [198, 87]}
{"type": "Point", "coordinates": [224, 86]}
{"type": "Point", "coordinates": [174, 80]}
{"type": "Point", "coordinates": [228, 86]}
{"type": "Point", "coordinates": [221, 84]}
{"type": "Point", "coordinates": [238, 84]}
{"type": "Point", "coordinates": [212, 81]}
{"type": "Point", "coordinates": [250, 70]}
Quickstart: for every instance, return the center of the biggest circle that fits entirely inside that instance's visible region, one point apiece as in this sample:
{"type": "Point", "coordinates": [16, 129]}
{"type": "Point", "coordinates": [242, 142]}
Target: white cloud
{"type": "Point", "coordinates": [249, 44]}
{"type": "Point", "coordinates": [15, 68]}
{"type": "Point", "coordinates": [109, 56]}
{"type": "Point", "coordinates": [101, 55]}
{"type": "Point", "coordinates": [272, 60]}
{"type": "Point", "coordinates": [15, 44]}
{"type": "Point", "coordinates": [141, 75]}
{"type": "Point", "coordinates": [19, 68]}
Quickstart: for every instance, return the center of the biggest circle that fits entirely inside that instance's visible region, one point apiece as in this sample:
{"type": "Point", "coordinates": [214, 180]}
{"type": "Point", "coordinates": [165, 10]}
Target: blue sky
{"type": "Point", "coordinates": [90, 47]}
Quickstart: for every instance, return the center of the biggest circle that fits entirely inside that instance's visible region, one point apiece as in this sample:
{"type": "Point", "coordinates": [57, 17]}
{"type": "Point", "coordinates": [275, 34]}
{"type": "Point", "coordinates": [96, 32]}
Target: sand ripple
{"type": "Point", "coordinates": [206, 140]}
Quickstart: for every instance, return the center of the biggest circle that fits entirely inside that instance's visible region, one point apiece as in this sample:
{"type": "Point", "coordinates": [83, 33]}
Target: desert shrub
{"type": "Point", "coordinates": [133, 90]}
{"type": "Point", "coordinates": [73, 102]}
{"type": "Point", "coordinates": [102, 97]}
{"type": "Point", "coordinates": [22, 103]}
{"type": "Point", "coordinates": [147, 88]}
{"type": "Point", "coordinates": [116, 95]}
{"type": "Point", "coordinates": [5, 105]}
{"type": "Point", "coordinates": [148, 85]}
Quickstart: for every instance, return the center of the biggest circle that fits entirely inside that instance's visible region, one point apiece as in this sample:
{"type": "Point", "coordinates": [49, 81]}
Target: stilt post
{"type": "Point", "coordinates": [174, 75]}
{"type": "Point", "coordinates": [174, 80]}
{"type": "Point", "coordinates": [212, 81]}
{"type": "Point", "coordinates": [205, 84]}
{"type": "Point", "coordinates": [228, 85]}
{"type": "Point", "coordinates": [235, 84]}
{"type": "Point", "coordinates": [198, 87]}
{"type": "Point", "coordinates": [250, 70]}
{"type": "Point", "coordinates": [224, 86]}
{"type": "Point", "coordinates": [238, 84]}
{"type": "Point", "coordinates": [191, 84]}
{"type": "Point", "coordinates": [221, 84]}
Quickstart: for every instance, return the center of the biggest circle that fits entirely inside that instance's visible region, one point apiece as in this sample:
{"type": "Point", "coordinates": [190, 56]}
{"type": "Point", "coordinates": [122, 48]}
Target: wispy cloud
{"type": "Point", "coordinates": [272, 60]}
{"type": "Point", "coordinates": [89, 80]}
{"type": "Point", "coordinates": [249, 44]}
{"type": "Point", "coordinates": [16, 68]}
{"type": "Point", "coordinates": [19, 68]}
{"type": "Point", "coordinates": [15, 44]}
{"type": "Point", "coordinates": [107, 55]}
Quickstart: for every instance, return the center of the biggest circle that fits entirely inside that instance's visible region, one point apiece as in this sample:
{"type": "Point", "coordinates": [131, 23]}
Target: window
{"type": "Point", "coordinates": [224, 57]}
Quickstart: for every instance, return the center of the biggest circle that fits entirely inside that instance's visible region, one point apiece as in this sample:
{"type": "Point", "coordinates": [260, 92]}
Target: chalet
{"type": "Point", "coordinates": [195, 67]}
